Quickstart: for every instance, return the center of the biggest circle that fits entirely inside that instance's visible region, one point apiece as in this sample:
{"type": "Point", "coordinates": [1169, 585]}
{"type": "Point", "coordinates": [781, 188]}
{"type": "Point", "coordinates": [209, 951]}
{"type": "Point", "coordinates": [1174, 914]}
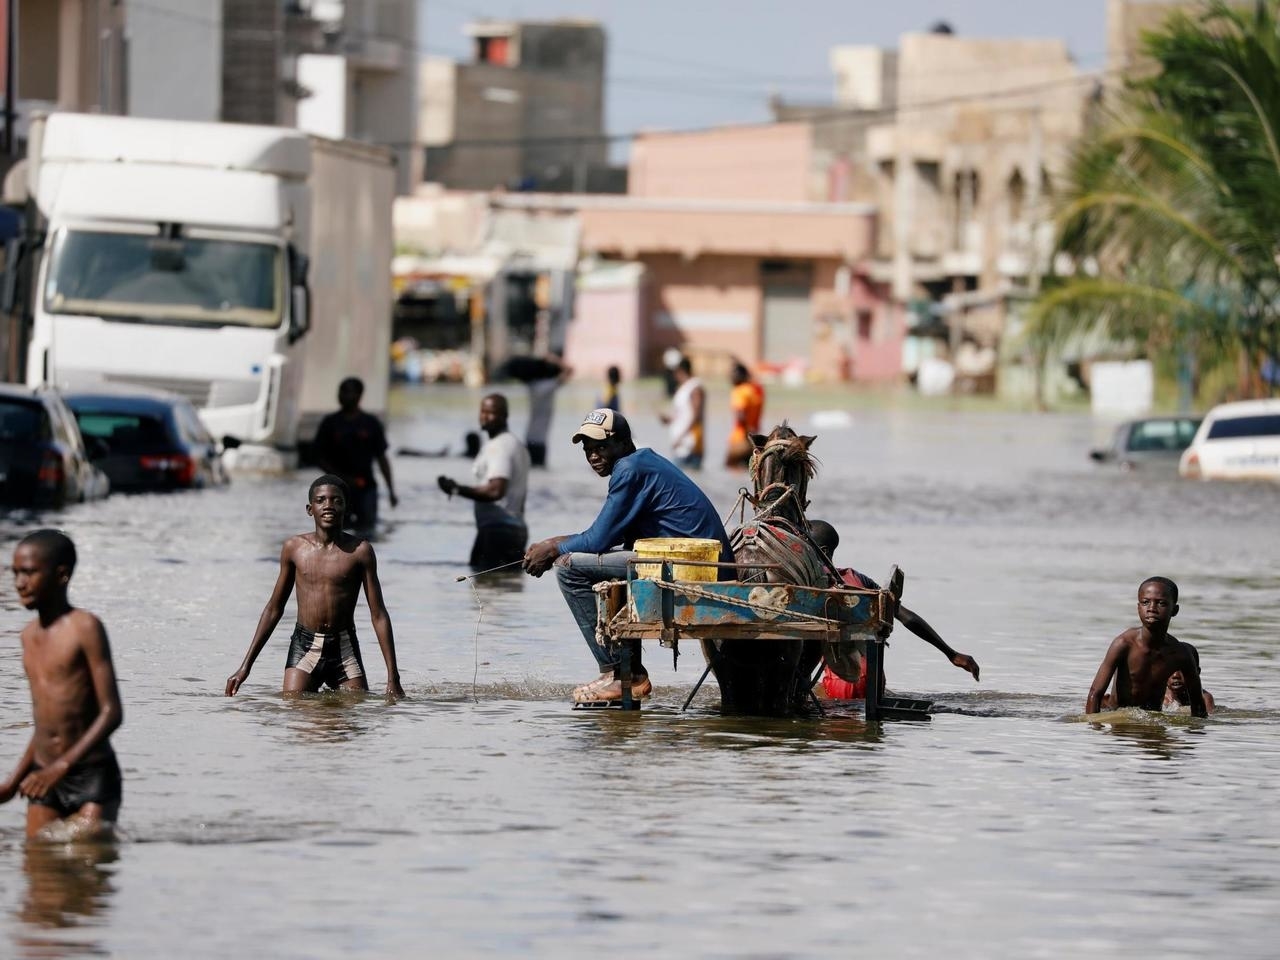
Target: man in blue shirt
{"type": "Point", "coordinates": [649, 496]}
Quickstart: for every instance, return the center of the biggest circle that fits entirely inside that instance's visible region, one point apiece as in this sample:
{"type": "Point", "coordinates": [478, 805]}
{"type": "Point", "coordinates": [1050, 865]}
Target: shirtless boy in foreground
{"type": "Point", "coordinates": [69, 771]}
{"type": "Point", "coordinates": [329, 567]}
{"type": "Point", "coordinates": [1142, 659]}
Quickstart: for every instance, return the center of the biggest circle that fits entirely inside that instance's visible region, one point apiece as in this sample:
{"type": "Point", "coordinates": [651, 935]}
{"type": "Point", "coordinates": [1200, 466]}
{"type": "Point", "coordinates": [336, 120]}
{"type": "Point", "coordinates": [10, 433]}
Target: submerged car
{"type": "Point", "coordinates": [1237, 441]}
{"type": "Point", "coordinates": [150, 439]}
{"type": "Point", "coordinates": [44, 460]}
{"type": "Point", "coordinates": [1148, 442]}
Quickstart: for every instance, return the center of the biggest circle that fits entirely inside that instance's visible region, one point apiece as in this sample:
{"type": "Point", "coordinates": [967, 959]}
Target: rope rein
{"type": "Point", "coordinates": [687, 589]}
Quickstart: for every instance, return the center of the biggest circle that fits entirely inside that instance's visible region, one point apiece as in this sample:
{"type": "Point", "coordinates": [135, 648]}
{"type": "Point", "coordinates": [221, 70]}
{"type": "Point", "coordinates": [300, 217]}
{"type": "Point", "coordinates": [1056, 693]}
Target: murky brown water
{"type": "Point", "coordinates": [505, 823]}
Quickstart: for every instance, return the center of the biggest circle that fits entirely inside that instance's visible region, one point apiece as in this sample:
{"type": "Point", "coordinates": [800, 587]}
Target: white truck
{"type": "Point", "coordinates": [247, 268]}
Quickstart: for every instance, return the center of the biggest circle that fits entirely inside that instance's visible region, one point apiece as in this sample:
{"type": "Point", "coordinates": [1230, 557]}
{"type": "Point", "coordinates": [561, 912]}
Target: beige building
{"type": "Point", "coordinates": [740, 260]}
{"type": "Point", "coordinates": [964, 176]}
{"type": "Point", "coordinates": [527, 111]}
{"type": "Point", "coordinates": [1127, 21]}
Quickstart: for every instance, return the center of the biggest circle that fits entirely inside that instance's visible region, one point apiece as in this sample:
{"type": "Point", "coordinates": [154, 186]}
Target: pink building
{"type": "Point", "coordinates": [737, 262]}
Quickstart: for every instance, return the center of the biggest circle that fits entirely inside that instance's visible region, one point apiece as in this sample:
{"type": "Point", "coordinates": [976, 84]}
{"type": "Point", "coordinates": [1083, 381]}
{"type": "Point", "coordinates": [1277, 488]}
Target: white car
{"type": "Point", "coordinates": [1236, 441]}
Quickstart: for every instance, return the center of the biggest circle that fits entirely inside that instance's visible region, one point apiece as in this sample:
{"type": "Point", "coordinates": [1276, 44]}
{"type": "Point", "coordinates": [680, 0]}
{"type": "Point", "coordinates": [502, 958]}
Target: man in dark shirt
{"type": "Point", "coordinates": [649, 496]}
{"type": "Point", "coordinates": [347, 444]}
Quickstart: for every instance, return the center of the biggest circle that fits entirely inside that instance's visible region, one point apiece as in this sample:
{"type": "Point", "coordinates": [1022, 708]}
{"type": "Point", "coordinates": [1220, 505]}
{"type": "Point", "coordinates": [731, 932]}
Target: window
{"type": "Point", "coordinates": [1017, 197]}
{"type": "Point", "coordinates": [866, 324]}
{"type": "Point", "coordinates": [1161, 435]}
{"type": "Point", "coordinates": [125, 432]}
{"type": "Point", "coordinates": [160, 280]}
{"type": "Point", "coordinates": [1237, 428]}
{"type": "Point", "coordinates": [22, 422]}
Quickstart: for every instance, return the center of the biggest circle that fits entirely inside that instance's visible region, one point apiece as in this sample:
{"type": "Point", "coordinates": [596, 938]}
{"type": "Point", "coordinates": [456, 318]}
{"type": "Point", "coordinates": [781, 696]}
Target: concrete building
{"type": "Point", "coordinates": [173, 59]}
{"type": "Point", "coordinates": [70, 56]}
{"type": "Point", "coordinates": [261, 43]}
{"type": "Point", "coordinates": [745, 259]}
{"type": "Point", "coordinates": [170, 59]}
{"type": "Point", "coordinates": [527, 112]}
{"type": "Point", "coordinates": [1127, 21]}
{"type": "Point", "coordinates": [866, 92]}
{"type": "Point", "coordinates": [964, 174]}
{"type": "Point", "coordinates": [363, 84]}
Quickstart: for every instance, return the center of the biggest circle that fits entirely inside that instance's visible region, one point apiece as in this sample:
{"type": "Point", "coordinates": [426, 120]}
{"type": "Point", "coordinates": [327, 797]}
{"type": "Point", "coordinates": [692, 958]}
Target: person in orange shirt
{"type": "Point", "coordinates": [747, 403]}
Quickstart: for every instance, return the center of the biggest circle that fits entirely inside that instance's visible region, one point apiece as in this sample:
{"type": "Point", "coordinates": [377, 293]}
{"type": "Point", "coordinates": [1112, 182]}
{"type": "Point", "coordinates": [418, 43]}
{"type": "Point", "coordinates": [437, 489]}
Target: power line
{"type": "Point", "coordinates": [852, 116]}
{"type": "Point", "coordinates": [721, 75]}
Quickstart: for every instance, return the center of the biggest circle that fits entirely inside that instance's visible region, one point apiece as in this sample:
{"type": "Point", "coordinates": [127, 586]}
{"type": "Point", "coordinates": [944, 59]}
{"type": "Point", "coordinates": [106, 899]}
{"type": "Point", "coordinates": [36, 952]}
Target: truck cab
{"type": "Point", "coordinates": [170, 259]}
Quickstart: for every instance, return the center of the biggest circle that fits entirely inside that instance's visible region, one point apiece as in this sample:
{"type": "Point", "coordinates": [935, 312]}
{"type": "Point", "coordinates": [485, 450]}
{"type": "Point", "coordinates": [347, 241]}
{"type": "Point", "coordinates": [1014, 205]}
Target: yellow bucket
{"type": "Point", "coordinates": [677, 548]}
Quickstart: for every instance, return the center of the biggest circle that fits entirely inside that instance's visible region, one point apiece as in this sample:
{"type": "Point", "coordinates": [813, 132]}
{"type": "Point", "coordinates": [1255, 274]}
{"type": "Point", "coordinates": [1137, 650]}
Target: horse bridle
{"type": "Point", "coordinates": [788, 489]}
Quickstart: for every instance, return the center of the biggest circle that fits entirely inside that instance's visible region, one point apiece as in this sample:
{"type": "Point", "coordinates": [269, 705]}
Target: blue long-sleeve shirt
{"type": "Point", "coordinates": [649, 496]}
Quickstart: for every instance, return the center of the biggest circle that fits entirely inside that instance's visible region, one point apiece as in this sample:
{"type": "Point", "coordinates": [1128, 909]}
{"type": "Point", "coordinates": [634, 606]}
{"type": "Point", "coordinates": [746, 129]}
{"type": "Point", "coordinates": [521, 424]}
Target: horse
{"type": "Point", "coordinates": [771, 677]}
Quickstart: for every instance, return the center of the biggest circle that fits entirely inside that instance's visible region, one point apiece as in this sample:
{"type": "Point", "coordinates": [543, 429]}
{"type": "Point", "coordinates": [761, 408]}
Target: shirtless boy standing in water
{"type": "Point", "coordinates": [329, 567]}
{"type": "Point", "coordinates": [69, 772]}
{"type": "Point", "coordinates": [1142, 659]}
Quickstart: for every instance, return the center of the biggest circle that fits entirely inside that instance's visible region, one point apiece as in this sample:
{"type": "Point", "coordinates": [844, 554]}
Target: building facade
{"type": "Point", "coordinates": [747, 258]}
{"type": "Point", "coordinates": [70, 55]}
{"type": "Point", "coordinates": [362, 83]}
{"type": "Point", "coordinates": [526, 113]}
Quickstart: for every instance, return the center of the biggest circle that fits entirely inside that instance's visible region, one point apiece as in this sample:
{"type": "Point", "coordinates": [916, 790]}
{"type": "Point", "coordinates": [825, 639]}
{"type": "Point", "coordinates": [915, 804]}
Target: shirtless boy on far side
{"type": "Point", "coordinates": [1176, 694]}
{"type": "Point", "coordinates": [329, 567]}
{"type": "Point", "coordinates": [69, 772]}
{"type": "Point", "coordinates": [1142, 659]}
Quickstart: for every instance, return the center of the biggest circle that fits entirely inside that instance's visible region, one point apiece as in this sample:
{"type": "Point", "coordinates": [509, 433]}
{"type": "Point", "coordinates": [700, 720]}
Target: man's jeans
{"type": "Point", "coordinates": [577, 574]}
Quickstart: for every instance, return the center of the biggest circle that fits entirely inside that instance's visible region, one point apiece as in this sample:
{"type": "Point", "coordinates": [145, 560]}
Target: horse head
{"type": "Point", "coordinates": [781, 467]}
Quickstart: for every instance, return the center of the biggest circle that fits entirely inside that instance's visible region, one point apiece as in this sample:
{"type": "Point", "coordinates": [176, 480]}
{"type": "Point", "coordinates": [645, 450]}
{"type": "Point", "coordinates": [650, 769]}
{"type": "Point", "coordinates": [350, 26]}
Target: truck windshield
{"type": "Point", "coordinates": [155, 280]}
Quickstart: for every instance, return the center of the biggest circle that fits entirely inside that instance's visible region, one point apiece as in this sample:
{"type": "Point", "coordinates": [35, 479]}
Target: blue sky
{"type": "Point", "coordinates": [692, 63]}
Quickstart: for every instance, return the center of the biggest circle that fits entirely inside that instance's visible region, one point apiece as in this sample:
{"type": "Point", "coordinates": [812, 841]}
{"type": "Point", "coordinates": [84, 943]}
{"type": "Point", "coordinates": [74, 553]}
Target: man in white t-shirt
{"type": "Point", "coordinates": [685, 422]}
{"type": "Point", "coordinates": [502, 477]}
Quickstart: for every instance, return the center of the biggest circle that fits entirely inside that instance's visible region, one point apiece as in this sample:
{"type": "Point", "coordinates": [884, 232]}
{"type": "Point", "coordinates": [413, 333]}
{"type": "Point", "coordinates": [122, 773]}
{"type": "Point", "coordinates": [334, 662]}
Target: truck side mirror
{"type": "Point", "coordinates": [299, 267]}
{"type": "Point", "coordinates": [299, 294]}
{"type": "Point", "coordinates": [299, 313]}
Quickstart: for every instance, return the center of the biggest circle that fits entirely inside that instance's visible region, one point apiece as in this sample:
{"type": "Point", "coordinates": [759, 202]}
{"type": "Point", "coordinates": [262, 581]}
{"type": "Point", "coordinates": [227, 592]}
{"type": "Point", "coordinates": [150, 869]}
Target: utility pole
{"type": "Point", "coordinates": [10, 75]}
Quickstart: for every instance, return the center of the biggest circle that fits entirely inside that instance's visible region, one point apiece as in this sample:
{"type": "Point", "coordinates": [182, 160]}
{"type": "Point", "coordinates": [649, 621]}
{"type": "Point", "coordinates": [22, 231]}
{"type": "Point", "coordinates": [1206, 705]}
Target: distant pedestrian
{"type": "Point", "coordinates": [348, 443]}
{"type": "Point", "coordinates": [502, 477]}
{"type": "Point", "coordinates": [671, 358]}
{"type": "Point", "coordinates": [609, 399]}
{"type": "Point", "coordinates": [543, 376]}
{"type": "Point", "coordinates": [747, 403]}
{"type": "Point", "coordinates": [686, 421]}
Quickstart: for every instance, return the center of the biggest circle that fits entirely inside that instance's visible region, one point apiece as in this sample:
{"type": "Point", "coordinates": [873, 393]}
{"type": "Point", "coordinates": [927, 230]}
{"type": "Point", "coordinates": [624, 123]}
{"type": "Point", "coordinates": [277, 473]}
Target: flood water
{"type": "Point", "coordinates": [481, 816]}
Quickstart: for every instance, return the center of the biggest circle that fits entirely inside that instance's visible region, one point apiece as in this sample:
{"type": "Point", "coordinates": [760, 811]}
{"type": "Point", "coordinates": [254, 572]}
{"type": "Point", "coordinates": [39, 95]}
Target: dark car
{"type": "Point", "coordinates": [44, 461]}
{"type": "Point", "coordinates": [1151, 441]}
{"type": "Point", "coordinates": [151, 440]}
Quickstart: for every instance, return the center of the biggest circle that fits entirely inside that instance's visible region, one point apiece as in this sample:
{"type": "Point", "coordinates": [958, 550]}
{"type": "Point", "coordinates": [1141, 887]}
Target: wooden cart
{"type": "Point", "coordinates": [844, 624]}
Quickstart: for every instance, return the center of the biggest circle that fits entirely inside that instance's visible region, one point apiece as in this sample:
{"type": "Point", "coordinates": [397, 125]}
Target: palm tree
{"type": "Point", "coordinates": [1171, 210]}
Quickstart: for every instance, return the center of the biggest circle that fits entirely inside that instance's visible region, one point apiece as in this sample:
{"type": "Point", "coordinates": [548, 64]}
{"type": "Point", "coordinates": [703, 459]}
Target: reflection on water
{"type": "Point", "coordinates": [1009, 825]}
{"type": "Point", "coordinates": [67, 887]}
{"type": "Point", "coordinates": [331, 716]}
{"type": "Point", "coordinates": [1153, 739]}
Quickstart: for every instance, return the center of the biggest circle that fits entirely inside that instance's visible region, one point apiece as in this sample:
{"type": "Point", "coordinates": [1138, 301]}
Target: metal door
{"type": "Point", "coordinates": [788, 313]}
